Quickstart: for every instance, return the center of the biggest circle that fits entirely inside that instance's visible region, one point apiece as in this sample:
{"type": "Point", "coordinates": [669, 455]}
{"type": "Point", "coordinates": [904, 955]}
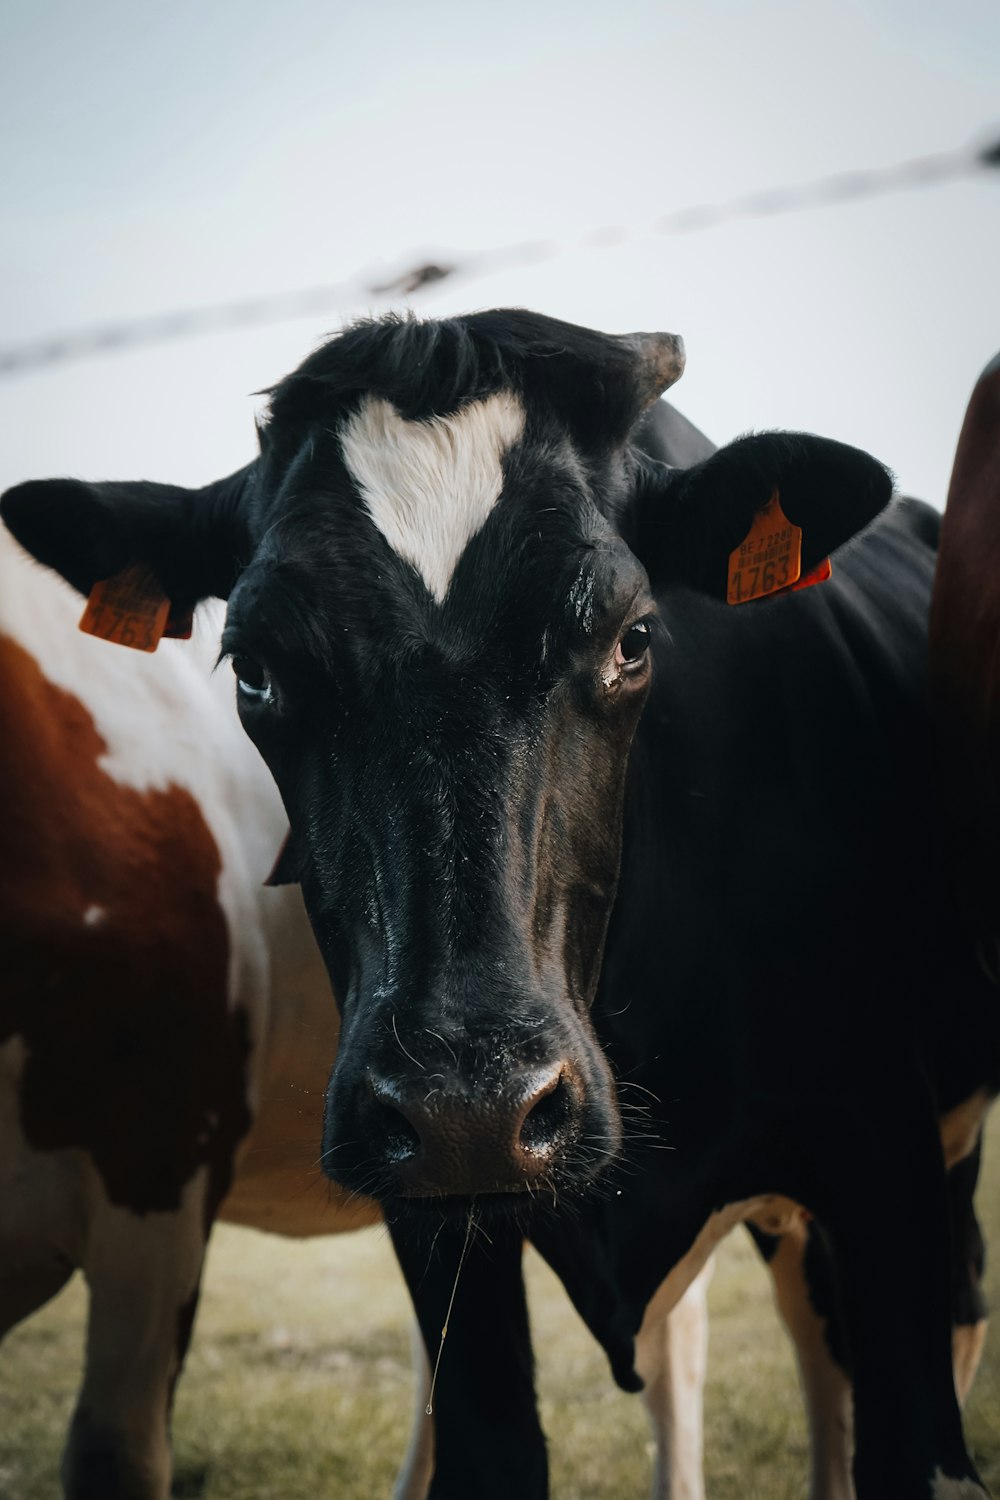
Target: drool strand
{"type": "Point", "coordinates": [429, 1408]}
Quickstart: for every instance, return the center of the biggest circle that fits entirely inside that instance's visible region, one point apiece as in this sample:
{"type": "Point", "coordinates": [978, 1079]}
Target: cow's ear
{"type": "Point", "coordinates": [194, 542]}
{"type": "Point", "coordinates": [685, 524]}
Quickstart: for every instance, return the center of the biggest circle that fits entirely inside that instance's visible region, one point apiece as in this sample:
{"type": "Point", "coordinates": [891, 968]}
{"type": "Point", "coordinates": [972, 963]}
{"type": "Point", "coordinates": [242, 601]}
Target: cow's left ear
{"type": "Point", "coordinates": [685, 524]}
{"type": "Point", "coordinates": [194, 542]}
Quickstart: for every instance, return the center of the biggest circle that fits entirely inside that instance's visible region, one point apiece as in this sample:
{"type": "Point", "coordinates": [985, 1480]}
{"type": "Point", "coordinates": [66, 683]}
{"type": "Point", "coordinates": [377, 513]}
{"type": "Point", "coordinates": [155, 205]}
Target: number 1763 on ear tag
{"type": "Point", "coordinates": [769, 557]}
{"type": "Point", "coordinates": [130, 609]}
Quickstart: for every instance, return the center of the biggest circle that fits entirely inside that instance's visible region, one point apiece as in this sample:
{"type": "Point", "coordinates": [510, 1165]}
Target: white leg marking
{"type": "Point", "coordinates": [418, 1465]}
{"type": "Point", "coordinates": [671, 1356]}
{"type": "Point", "coordinates": [961, 1127]}
{"type": "Point", "coordinates": [430, 486]}
{"type": "Point", "coordinates": [826, 1389]}
{"type": "Point", "coordinates": [967, 1342]}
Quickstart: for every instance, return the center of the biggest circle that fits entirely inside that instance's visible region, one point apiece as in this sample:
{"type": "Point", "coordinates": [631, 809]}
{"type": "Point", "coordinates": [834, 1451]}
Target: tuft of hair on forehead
{"type": "Point", "coordinates": [432, 368]}
{"type": "Point", "coordinates": [424, 368]}
{"type": "Point", "coordinates": [430, 486]}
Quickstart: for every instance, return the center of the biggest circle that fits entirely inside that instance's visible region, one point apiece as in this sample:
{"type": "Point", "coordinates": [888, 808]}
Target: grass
{"type": "Point", "coordinates": [298, 1383]}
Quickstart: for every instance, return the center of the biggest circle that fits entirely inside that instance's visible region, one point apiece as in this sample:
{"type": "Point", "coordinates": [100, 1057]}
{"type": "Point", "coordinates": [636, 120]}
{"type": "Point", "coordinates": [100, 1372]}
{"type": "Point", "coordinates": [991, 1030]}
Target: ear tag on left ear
{"type": "Point", "coordinates": [769, 557]}
{"type": "Point", "coordinates": [130, 609]}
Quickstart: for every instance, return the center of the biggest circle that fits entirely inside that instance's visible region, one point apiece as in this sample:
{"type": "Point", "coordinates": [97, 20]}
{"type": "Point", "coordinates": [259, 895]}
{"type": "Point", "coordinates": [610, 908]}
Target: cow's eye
{"type": "Point", "coordinates": [253, 679]}
{"type": "Point", "coordinates": [633, 646]}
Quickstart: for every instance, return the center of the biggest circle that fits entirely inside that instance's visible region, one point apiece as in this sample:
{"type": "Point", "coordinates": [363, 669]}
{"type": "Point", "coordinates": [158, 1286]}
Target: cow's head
{"type": "Point", "coordinates": [442, 573]}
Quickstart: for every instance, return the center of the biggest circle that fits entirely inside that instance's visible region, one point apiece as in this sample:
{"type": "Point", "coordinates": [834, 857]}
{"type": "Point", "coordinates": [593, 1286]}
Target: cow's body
{"type": "Point", "coordinates": [802, 1035]}
{"type": "Point", "coordinates": [155, 1003]}
{"type": "Point", "coordinates": [785, 1050]}
{"type": "Point", "coordinates": [450, 572]}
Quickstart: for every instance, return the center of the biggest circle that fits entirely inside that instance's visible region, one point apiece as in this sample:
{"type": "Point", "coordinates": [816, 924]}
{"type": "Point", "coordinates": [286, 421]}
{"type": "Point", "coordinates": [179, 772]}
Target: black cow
{"type": "Point", "coordinates": [553, 882]}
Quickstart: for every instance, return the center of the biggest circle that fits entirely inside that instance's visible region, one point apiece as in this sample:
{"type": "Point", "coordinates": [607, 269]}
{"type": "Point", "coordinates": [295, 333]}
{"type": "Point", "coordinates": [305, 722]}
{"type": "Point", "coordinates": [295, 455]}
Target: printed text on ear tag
{"type": "Point", "coordinates": [769, 557]}
{"type": "Point", "coordinates": [819, 574]}
{"type": "Point", "coordinates": [130, 609]}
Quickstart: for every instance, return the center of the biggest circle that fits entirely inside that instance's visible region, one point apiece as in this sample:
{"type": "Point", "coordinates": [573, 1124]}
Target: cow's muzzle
{"type": "Point", "coordinates": [484, 1121]}
{"type": "Point", "coordinates": [440, 1136]}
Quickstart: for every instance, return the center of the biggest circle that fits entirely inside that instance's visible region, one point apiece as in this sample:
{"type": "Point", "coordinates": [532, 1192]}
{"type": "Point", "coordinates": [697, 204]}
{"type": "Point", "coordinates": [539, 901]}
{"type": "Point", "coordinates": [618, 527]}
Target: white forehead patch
{"type": "Point", "coordinates": [430, 486]}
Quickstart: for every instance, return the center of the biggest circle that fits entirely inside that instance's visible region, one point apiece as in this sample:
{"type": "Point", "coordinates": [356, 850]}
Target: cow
{"type": "Point", "coordinates": [615, 842]}
{"type": "Point", "coordinates": [165, 1020]}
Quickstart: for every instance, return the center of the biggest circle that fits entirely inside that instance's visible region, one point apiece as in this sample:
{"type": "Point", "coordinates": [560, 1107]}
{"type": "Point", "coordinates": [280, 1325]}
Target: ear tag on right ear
{"type": "Point", "coordinates": [769, 557]}
{"type": "Point", "coordinates": [130, 609]}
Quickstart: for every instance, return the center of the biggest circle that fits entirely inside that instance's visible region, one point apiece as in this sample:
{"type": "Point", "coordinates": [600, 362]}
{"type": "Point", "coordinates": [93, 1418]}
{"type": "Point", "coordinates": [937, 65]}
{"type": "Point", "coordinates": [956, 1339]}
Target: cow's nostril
{"type": "Point", "coordinates": [548, 1120]}
{"type": "Point", "coordinates": [401, 1142]}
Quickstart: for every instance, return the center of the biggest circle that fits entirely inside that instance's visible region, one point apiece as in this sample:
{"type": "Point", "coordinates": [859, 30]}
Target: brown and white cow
{"type": "Point", "coordinates": [165, 1019]}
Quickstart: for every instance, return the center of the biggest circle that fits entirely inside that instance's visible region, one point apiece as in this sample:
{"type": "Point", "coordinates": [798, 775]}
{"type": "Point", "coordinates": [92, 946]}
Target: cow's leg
{"type": "Point", "coordinates": [802, 1273]}
{"type": "Point", "coordinates": [144, 1273]}
{"type": "Point", "coordinates": [908, 1429]}
{"type": "Point", "coordinates": [807, 1300]}
{"type": "Point", "coordinates": [671, 1355]}
{"type": "Point", "coordinates": [418, 1464]}
{"type": "Point", "coordinates": [968, 1305]}
{"type": "Point", "coordinates": [488, 1441]}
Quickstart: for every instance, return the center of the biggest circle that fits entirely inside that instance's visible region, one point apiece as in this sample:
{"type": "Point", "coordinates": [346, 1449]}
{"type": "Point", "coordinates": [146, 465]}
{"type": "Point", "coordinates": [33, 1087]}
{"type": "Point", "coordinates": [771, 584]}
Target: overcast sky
{"type": "Point", "coordinates": [158, 156]}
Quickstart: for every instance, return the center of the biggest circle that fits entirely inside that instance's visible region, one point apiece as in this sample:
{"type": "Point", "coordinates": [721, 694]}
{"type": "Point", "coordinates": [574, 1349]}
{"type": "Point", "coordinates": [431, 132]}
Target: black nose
{"type": "Point", "coordinates": [443, 1135]}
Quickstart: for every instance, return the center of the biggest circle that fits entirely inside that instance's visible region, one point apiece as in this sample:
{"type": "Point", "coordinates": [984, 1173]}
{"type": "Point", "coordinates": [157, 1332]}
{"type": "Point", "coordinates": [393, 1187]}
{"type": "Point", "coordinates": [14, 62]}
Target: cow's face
{"type": "Point", "coordinates": [442, 649]}
{"type": "Point", "coordinates": [442, 626]}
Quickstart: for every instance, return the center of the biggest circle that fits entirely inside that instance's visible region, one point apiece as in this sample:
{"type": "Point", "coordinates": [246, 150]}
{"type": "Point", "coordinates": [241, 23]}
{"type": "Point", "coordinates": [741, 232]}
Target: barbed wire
{"type": "Point", "coordinates": [368, 289]}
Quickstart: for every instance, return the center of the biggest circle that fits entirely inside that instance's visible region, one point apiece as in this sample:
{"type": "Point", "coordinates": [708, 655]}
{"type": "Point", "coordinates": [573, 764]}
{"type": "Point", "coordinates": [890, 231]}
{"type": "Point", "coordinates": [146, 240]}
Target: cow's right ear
{"type": "Point", "coordinates": [194, 542]}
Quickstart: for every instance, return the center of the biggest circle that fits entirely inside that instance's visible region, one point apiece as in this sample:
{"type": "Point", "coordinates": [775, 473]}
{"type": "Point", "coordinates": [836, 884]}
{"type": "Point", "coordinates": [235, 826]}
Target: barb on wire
{"type": "Point", "coordinates": [364, 291]}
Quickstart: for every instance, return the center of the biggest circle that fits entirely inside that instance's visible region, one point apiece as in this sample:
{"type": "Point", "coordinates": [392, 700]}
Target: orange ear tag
{"type": "Point", "coordinates": [130, 609]}
{"type": "Point", "coordinates": [769, 557]}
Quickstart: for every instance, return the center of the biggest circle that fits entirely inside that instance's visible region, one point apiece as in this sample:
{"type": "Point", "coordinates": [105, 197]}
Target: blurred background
{"type": "Point", "coordinates": [160, 157]}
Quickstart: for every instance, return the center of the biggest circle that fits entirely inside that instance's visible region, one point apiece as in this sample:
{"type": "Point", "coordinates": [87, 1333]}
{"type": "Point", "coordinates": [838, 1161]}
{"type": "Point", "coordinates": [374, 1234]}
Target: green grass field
{"type": "Point", "coordinates": [298, 1383]}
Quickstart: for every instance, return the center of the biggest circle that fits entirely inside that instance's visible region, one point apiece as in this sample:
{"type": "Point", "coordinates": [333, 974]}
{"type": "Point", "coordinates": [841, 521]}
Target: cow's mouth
{"type": "Point", "coordinates": [521, 1209]}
